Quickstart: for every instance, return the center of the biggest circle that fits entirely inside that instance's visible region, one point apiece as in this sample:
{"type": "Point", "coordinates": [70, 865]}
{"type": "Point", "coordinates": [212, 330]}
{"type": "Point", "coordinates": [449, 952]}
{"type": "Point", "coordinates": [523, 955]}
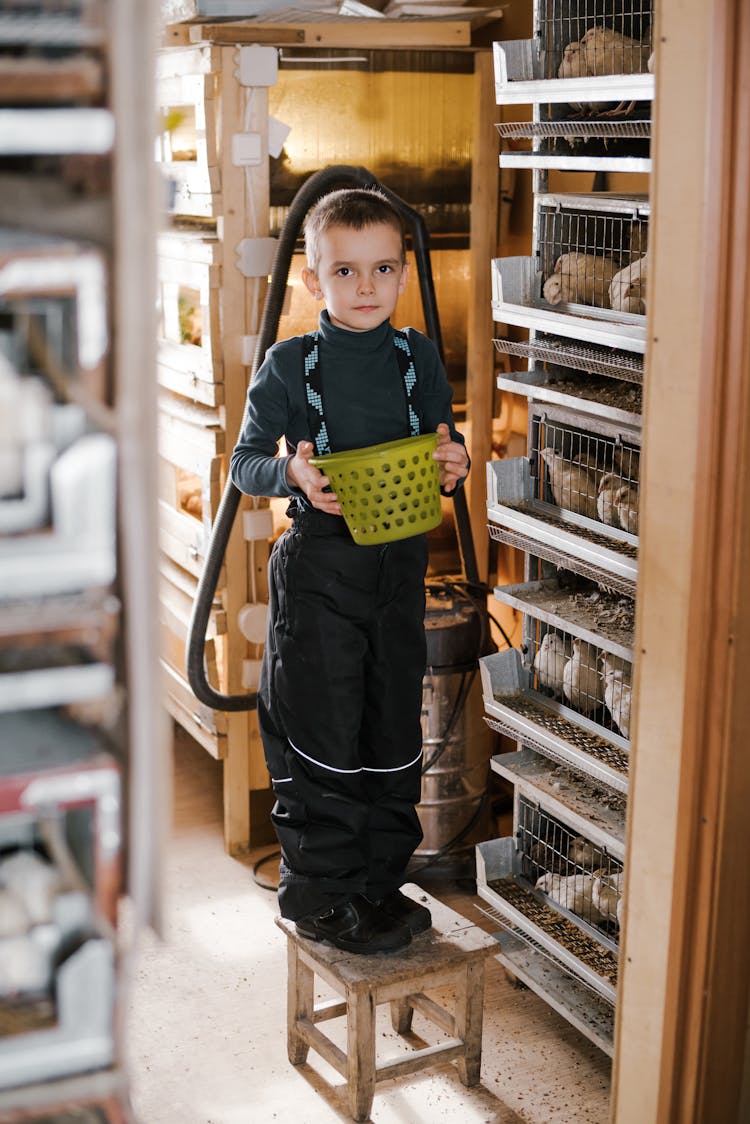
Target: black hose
{"type": "Point", "coordinates": [319, 184]}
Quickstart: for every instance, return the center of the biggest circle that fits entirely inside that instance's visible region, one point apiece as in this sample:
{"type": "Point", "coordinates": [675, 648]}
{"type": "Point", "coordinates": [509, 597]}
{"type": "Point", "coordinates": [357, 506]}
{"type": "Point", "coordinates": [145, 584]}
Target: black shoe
{"type": "Point", "coordinates": [417, 918]}
{"type": "Point", "coordinates": [356, 926]}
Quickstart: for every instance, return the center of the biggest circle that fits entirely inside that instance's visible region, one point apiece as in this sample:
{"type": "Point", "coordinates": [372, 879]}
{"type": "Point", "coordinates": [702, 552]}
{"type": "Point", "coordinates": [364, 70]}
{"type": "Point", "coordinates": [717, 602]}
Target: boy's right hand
{"type": "Point", "coordinates": [305, 476]}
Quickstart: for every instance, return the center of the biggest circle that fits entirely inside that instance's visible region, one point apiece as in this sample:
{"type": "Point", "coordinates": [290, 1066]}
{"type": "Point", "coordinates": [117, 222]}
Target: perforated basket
{"type": "Point", "coordinates": [387, 492]}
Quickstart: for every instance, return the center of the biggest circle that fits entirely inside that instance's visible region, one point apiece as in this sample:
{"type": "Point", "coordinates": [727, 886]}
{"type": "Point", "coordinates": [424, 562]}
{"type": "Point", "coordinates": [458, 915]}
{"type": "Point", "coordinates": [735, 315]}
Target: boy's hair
{"type": "Point", "coordinates": [355, 208]}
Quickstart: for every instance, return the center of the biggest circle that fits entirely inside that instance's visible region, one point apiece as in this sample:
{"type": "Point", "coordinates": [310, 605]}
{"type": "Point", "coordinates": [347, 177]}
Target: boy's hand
{"type": "Point", "coordinates": [305, 476]}
{"type": "Point", "coordinates": [452, 459]}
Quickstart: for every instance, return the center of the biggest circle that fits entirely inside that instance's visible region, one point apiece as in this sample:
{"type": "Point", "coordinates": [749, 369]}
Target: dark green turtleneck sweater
{"type": "Point", "coordinates": [363, 400]}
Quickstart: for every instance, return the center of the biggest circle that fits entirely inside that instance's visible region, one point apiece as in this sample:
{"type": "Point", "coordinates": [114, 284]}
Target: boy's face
{"type": "Point", "coordinates": [360, 275]}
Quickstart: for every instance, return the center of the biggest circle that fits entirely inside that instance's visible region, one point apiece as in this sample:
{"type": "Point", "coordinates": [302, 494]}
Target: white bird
{"type": "Point", "coordinates": [606, 506]}
{"type": "Point", "coordinates": [573, 485]}
{"type": "Point", "coordinates": [549, 662]}
{"type": "Point", "coordinates": [617, 696]}
{"type": "Point", "coordinates": [573, 893]}
{"type": "Point", "coordinates": [626, 499]}
{"type": "Point", "coordinates": [14, 917]}
{"type": "Point", "coordinates": [608, 52]}
{"type": "Point", "coordinates": [34, 881]}
{"type": "Point", "coordinates": [627, 289]}
{"type": "Point", "coordinates": [580, 278]}
{"type": "Point", "coordinates": [582, 684]}
{"type": "Point", "coordinates": [606, 894]}
{"type": "Point", "coordinates": [651, 64]}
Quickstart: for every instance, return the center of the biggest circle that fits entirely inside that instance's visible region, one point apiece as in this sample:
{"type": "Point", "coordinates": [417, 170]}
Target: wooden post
{"type": "Point", "coordinates": [682, 1014]}
{"type": "Point", "coordinates": [480, 366]}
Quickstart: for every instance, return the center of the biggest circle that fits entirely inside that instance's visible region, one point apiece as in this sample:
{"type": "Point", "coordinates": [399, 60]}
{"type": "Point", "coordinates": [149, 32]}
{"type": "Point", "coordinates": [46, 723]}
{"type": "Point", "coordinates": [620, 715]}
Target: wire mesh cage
{"type": "Point", "coordinates": [595, 37]}
{"type": "Point", "coordinates": [590, 679]}
{"type": "Point", "coordinates": [570, 870]}
{"type": "Point", "coordinates": [588, 474]}
{"type": "Point", "coordinates": [593, 257]}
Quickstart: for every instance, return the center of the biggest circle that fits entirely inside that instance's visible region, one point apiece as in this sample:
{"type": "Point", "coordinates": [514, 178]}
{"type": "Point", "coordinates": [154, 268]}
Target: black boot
{"type": "Point", "coordinates": [356, 926]}
{"type": "Point", "coordinates": [417, 918]}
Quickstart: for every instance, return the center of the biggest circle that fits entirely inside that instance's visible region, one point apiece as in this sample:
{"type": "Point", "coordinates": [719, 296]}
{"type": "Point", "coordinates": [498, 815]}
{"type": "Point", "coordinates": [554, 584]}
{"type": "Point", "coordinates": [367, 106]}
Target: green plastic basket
{"type": "Point", "coordinates": [386, 492]}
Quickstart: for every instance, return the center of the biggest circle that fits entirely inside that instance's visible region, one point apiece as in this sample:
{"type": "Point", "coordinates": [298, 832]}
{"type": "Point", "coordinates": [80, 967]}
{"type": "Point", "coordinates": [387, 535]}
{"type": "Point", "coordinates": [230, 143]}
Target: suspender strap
{"type": "Point", "coordinates": [314, 388]}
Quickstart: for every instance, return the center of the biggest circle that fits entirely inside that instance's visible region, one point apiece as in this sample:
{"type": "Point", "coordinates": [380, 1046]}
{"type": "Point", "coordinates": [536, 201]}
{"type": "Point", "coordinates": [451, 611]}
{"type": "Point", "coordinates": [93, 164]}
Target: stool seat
{"type": "Point", "coordinates": [452, 952]}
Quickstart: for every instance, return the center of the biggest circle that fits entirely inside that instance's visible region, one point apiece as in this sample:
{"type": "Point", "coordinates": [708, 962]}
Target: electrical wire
{"type": "Point", "coordinates": [265, 885]}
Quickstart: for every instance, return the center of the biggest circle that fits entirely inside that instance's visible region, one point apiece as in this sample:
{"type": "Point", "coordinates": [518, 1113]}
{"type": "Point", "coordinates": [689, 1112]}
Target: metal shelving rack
{"type": "Point", "coordinates": [83, 755]}
{"type": "Point", "coordinates": [555, 886]}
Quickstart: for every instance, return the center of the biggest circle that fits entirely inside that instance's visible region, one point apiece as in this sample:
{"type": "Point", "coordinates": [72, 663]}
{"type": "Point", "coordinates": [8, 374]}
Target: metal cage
{"type": "Point", "coordinates": [593, 475]}
{"type": "Point", "coordinates": [596, 257]}
{"type": "Point", "coordinates": [572, 872]}
{"type": "Point", "coordinates": [619, 36]}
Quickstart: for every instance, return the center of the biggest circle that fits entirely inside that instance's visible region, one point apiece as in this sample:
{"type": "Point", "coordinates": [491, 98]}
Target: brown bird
{"type": "Point", "coordinates": [573, 485]}
{"type": "Point", "coordinates": [580, 279]}
{"type": "Point", "coordinates": [627, 289]}
{"type": "Point", "coordinates": [606, 505]}
{"type": "Point", "coordinates": [626, 499]}
{"type": "Point", "coordinates": [608, 52]}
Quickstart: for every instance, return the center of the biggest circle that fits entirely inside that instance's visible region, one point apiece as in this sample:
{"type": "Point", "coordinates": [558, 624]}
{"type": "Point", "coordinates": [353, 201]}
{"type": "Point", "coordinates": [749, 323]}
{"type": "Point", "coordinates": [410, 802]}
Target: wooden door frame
{"type": "Point", "coordinates": [683, 1009]}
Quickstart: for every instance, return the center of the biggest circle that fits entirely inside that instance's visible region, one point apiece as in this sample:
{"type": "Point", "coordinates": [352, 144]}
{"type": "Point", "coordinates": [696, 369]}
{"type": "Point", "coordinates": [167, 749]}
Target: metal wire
{"type": "Point", "coordinates": [581, 357]}
{"type": "Point", "coordinates": [585, 130]}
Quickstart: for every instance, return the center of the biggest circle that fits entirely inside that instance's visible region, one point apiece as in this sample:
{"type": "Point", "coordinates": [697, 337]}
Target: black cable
{"type": "Point", "coordinates": [256, 867]}
{"type": "Point", "coordinates": [458, 707]}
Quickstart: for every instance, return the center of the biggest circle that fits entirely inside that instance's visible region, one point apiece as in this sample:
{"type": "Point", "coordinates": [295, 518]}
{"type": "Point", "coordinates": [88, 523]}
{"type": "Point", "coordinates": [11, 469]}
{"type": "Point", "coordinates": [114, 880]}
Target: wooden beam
{"type": "Point", "coordinates": [485, 194]}
{"type": "Point", "coordinates": [683, 998]}
{"type": "Point", "coordinates": [377, 34]}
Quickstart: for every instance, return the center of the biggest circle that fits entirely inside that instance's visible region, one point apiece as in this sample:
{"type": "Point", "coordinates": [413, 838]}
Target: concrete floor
{"type": "Point", "coordinates": [206, 1022]}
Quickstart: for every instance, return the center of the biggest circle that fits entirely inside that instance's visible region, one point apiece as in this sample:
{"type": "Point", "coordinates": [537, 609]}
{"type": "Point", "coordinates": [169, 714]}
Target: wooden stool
{"type": "Point", "coordinates": [452, 952]}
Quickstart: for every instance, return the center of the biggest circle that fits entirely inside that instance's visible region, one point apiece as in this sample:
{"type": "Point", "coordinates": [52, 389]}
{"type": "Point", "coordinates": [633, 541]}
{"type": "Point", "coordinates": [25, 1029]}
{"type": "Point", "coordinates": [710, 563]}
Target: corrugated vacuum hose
{"type": "Point", "coordinates": [319, 184]}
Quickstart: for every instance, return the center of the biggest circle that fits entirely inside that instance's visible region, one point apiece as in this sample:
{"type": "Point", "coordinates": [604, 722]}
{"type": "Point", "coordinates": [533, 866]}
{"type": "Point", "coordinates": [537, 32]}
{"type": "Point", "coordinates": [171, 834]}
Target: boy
{"type": "Point", "coordinates": [340, 694]}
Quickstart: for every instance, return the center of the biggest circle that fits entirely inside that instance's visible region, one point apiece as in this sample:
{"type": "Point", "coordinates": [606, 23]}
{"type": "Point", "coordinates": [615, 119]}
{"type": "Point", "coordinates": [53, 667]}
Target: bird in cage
{"type": "Point", "coordinates": [579, 278]}
{"type": "Point", "coordinates": [627, 289]}
{"type": "Point", "coordinates": [607, 51]}
{"type": "Point", "coordinates": [626, 498]}
{"type": "Point", "coordinates": [617, 693]}
{"type": "Point", "coordinates": [574, 893]}
{"type": "Point", "coordinates": [582, 852]}
{"type": "Point", "coordinates": [602, 50]}
{"type": "Point", "coordinates": [549, 662]}
{"type": "Point", "coordinates": [606, 893]}
{"type": "Point", "coordinates": [582, 683]}
{"type": "Point", "coordinates": [606, 503]}
{"type": "Point", "coordinates": [626, 462]}
{"type": "Point", "coordinates": [573, 485]}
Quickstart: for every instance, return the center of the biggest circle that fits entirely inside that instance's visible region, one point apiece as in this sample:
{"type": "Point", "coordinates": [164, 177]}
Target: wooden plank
{"type": "Point", "coordinates": [380, 34]}
{"type": "Point", "coordinates": [193, 413]}
{"type": "Point", "coordinates": [212, 721]}
{"type": "Point", "coordinates": [683, 736]}
{"type": "Point", "coordinates": [480, 355]}
{"type": "Point", "coordinates": [176, 609]}
{"type": "Point", "coordinates": [196, 362]}
{"type": "Point", "coordinates": [182, 538]}
{"type": "Point", "coordinates": [215, 744]}
{"type": "Point", "coordinates": [34, 81]}
{"type": "Point", "coordinates": [189, 386]}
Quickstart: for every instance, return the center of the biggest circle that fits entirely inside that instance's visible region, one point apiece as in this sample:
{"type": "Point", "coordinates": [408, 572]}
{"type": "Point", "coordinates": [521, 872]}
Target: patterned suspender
{"type": "Point", "coordinates": [314, 388]}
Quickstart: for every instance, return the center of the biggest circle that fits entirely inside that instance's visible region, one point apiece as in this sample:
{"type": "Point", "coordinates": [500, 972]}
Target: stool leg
{"type": "Point", "coordinates": [402, 1013]}
{"type": "Point", "coordinates": [469, 1014]}
{"type": "Point", "coordinates": [360, 1040]}
{"type": "Point", "coordinates": [300, 999]}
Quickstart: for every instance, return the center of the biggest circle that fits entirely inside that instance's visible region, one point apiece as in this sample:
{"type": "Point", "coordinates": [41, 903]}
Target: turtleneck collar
{"type": "Point", "coordinates": [353, 341]}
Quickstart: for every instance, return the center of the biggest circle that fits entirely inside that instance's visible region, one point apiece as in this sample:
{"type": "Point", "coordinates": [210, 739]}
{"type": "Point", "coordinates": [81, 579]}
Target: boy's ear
{"type": "Point", "coordinates": [310, 279]}
{"type": "Point", "coordinates": [404, 277]}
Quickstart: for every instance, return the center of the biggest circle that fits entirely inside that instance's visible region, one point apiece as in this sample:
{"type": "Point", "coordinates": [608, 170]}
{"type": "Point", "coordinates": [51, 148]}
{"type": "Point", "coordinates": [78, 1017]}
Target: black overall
{"type": "Point", "coordinates": [341, 695]}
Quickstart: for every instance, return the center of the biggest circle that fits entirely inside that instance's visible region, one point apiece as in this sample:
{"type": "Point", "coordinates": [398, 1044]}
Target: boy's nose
{"type": "Point", "coordinates": [366, 285]}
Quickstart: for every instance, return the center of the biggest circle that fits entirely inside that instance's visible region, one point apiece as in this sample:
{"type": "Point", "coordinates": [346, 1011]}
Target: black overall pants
{"type": "Point", "coordinates": [339, 711]}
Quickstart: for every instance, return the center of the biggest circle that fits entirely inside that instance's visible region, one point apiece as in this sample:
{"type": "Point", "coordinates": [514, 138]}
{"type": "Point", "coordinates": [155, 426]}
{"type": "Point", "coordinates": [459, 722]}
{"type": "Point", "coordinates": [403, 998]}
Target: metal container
{"type": "Point", "coordinates": [457, 744]}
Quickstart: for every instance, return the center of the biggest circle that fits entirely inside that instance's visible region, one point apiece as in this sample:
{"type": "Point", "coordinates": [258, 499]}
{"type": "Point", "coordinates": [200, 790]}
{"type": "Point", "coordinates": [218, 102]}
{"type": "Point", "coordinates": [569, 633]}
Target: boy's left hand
{"type": "Point", "coordinates": [452, 459]}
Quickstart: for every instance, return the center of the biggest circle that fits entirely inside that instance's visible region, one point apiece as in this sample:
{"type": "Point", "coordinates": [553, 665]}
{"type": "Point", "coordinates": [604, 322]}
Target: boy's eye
{"type": "Point", "coordinates": [384, 269]}
{"type": "Point", "coordinates": [343, 271]}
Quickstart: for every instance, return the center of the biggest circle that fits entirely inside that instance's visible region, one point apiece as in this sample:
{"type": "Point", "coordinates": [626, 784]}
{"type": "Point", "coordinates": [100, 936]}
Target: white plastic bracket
{"type": "Point", "coordinates": [251, 674]}
{"type": "Point", "coordinates": [277, 134]}
{"type": "Point", "coordinates": [257, 524]}
{"type": "Point", "coordinates": [258, 66]}
{"type": "Point", "coordinates": [255, 256]}
{"type": "Point", "coordinates": [248, 345]}
{"type": "Point", "coordinates": [247, 151]}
